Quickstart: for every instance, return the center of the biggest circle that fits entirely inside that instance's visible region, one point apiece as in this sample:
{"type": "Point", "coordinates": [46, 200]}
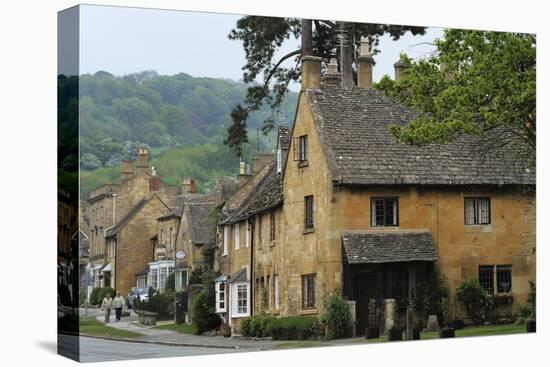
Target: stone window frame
{"type": "Point", "coordinates": [272, 226]}
{"type": "Point", "coordinates": [479, 215]}
{"type": "Point", "coordinates": [496, 275]}
{"type": "Point", "coordinates": [309, 207]}
{"type": "Point", "coordinates": [301, 146]}
{"type": "Point", "coordinates": [373, 215]}
{"type": "Point", "coordinates": [309, 294]}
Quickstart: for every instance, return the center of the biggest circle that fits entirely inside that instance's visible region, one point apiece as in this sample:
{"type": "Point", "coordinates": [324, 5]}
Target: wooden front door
{"type": "Point", "coordinates": [364, 289]}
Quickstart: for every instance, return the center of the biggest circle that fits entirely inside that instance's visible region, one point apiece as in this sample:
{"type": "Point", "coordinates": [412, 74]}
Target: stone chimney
{"type": "Point", "coordinates": [262, 160]}
{"type": "Point", "coordinates": [126, 170]}
{"type": "Point", "coordinates": [332, 77]}
{"type": "Point", "coordinates": [364, 65]}
{"type": "Point", "coordinates": [188, 186]}
{"type": "Point", "coordinates": [399, 67]}
{"type": "Point", "coordinates": [311, 72]}
{"type": "Point", "coordinates": [142, 160]}
{"type": "Point", "coordinates": [244, 174]}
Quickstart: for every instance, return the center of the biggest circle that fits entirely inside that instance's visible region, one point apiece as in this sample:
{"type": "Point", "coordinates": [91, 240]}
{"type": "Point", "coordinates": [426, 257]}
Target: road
{"type": "Point", "coordinates": [96, 350]}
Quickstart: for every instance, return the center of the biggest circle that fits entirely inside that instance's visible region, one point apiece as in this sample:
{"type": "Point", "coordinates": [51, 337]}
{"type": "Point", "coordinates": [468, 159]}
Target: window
{"type": "Point", "coordinates": [181, 279]}
{"type": "Point", "coordinates": [272, 226]}
{"type": "Point", "coordinates": [240, 300]}
{"type": "Point", "coordinates": [477, 211]}
{"type": "Point", "coordinates": [308, 204]}
{"type": "Point", "coordinates": [162, 278]}
{"type": "Point", "coordinates": [161, 235]}
{"type": "Point", "coordinates": [279, 160]}
{"type": "Point", "coordinates": [276, 290]}
{"type": "Point", "coordinates": [486, 279]}
{"type": "Point", "coordinates": [308, 291]}
{"type": "Point", "coordinates": [259, 230]}
{"type": "Point", "coordinates": [237, 236]}
{"type": "Point", "coordinates": [300, 148]}
{"type": "Point", "coordinates": [220, 297]}
{"type": "Point", "coordinates": [154, 278]}
{"type": "Point", "coordinates": [225, 239]}
{"type": "Point", "coordinates": [384, 212]}
{"type": "Point", "coordinates": [504, 278]}
{"type": "Point", "coordinates": [170, 243]}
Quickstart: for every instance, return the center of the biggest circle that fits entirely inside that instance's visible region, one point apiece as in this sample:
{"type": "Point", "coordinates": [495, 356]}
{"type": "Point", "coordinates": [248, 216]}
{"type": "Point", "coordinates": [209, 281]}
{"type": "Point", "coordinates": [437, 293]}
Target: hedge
{"type": "Point", "coordinates": [293, 328]}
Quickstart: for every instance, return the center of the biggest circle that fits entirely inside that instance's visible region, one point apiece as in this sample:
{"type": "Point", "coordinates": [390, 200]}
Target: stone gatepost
{"type": "Point", "coordinates": [389, 306]}
{"type": "Point", "coordinates": [353, 310]}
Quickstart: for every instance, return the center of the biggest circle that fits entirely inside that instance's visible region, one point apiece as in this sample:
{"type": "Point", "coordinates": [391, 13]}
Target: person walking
{"type": "Point", "coordinates": [118, 304]}
{"type": "Point", "coordinates": [106, 306]}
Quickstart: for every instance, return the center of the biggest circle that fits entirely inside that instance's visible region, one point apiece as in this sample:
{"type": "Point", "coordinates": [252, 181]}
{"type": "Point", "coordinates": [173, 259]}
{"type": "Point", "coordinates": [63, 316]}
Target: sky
{"type": "Point", "coordinates": [126, 40]}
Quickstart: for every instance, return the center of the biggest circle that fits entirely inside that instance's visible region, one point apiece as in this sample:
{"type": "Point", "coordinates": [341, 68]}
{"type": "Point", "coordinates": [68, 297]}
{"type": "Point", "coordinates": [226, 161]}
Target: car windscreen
{"type": "Point", "coordinates": [142, 290]}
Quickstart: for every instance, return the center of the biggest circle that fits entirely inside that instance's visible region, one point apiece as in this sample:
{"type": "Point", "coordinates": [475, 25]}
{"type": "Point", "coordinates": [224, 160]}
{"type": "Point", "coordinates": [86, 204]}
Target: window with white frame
{"type": "Point", "coordinates": [237, 236]}
{"type": "Point", "coordinates": [477, 211]}
{"type": "Point", "coordinates": [240, 305]}
{"type": "Point", "coordinates": [163, 272]}
{"type": "Point", "coordinates": [225, 239]}
{"type": "Point", "coordinates": [154, 278]}
{"type": "Point", "coordinates": [221, 299]}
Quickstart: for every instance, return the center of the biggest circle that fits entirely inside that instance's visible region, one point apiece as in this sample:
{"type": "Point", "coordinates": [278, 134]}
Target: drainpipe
{"type": "Point", "coordinates": [252, 280]}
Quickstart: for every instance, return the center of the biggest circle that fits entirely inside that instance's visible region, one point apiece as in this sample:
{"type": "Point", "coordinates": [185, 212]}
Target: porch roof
{"type": "Point", "coordinates": [372, 247]}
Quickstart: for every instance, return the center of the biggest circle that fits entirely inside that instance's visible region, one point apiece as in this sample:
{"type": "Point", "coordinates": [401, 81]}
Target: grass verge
{"type": "Point", "coordinates": [92, 326]}
{"type": "Point", "coordinates": [300, 344]}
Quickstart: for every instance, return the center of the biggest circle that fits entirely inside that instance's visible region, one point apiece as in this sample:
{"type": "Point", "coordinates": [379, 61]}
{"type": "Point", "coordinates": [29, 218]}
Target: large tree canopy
{"type": "Point", "coordinates": [263, 37]}
{"type": "Point", "coordinates": [475, 82]}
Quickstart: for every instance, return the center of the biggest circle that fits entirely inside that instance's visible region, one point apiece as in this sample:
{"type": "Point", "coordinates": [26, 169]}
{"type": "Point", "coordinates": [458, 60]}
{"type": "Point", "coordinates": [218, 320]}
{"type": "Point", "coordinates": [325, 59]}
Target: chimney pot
{"type": "Point", "coordinates": [399, 68]}
{"type": "Point", "coordinates": [332, 66]}
{"type": "Point", "coordinates": [142, 159]}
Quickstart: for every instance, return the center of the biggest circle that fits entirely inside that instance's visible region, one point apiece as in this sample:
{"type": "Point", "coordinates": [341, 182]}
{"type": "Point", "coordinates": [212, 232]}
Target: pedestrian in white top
{"type": "Point", "coordinates": [106, 306]}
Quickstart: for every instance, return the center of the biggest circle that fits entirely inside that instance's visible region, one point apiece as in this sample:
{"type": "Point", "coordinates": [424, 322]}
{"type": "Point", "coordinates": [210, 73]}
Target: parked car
{"type": "Point", "coordinates": [141, 293]}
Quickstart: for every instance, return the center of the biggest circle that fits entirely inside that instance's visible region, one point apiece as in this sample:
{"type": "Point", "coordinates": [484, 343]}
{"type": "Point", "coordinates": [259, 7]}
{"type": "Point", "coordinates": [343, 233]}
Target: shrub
{"type": "Point", "coordinates": [294, 328]}
{"type": "Point", "coordinates": [532, 299]}
{"type": "Point", "coordinates": [256, 326]}
{"type": "Point", "coordinates": [204, 313]}
{"type": "Point", "coordinates": [94, 296]}
{"type": "Point", "coordinates": [430, 295]}
{"type": "Point", "coordinates": [372, 316]}
{"type": "Point", "coordinates": [103, 293]}
{"type": "Point", "coordinates": [337, 317]}
{"type": "Point", "coordinates": [475, 299]}
{"type": "Point", "coordinates": [245, 326]}
{"type": "Point", "coordinates": [162, 304]}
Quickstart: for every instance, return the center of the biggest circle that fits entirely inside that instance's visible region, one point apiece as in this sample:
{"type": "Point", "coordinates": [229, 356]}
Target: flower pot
{"type": "Point", "coordinates": [531, 326]}
{"type": "Point", "coordinates": [372, 333]}
{"type": "Point", "coordinates": [447, 333]}
{"type": "Point", "coordinates": [395, 334]}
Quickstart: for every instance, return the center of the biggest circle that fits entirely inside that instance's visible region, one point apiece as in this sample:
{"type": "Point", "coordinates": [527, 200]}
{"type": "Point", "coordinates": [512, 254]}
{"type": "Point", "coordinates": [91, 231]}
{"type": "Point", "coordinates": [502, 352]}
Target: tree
{"type": "Point", "coordinates": [477, 82]}
{"type": "Point", "coordinates": [262, 37]}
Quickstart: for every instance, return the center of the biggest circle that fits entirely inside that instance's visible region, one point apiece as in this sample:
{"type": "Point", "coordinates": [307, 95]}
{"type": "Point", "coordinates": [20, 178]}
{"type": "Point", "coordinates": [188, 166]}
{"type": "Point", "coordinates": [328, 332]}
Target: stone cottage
{"type": "Point", "coordinates": [363, 215]}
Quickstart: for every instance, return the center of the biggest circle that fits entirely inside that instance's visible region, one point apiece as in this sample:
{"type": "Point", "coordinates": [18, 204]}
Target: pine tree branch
{"type": "Point", "coordinates": [281, 60]}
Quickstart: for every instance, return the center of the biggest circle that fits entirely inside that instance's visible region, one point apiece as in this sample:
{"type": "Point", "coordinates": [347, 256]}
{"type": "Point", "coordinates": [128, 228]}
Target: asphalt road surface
{"type": "Point", "coordinates": [97, 350]}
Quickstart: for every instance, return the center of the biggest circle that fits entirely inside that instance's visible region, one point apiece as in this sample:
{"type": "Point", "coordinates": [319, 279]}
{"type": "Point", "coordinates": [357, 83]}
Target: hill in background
{"type": "Point", "coordinates": [181, 118]}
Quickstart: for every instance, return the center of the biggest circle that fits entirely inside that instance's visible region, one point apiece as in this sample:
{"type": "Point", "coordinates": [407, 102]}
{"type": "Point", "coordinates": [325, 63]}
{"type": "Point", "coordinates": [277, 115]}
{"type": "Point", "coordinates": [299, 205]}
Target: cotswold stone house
{"type": "Point", "coordinates": [363, 215]}
{"type": "Point", "coordinates": [110, 208]}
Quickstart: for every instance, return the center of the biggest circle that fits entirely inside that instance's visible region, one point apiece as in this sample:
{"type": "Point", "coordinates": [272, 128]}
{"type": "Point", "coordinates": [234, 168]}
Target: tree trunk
{"type": "Point", "coordinates": [347, 57]}
{"type": "Point", "coordinates": [307, 36]}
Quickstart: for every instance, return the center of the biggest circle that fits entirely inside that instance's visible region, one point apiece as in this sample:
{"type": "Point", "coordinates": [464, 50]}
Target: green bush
{"type": "Point", "coordinates": [373, 317]}
{"type": "Point", "coordinates": [532, 299]}
{"type": "Point", "coordinates": [256, 326]}
{"type": "Point", "coordinates": [294, 328]}
{"type": "Point", "coordinates": [103, 293]}
{"type": "Point", "coordinates": [204, 313]}
{"type": "Point", "coordinates": [475, 299]}
{"type": "Point", "coordinates": [162, 304]}
{"type": "Point", "coordinates": [94, 296]}
{"type": "Point", "coordinates": [337, 317]}
{"type": "Point", "coordinates": [246, 326]}
{"type": "Point", "coordinates": [431, 293]}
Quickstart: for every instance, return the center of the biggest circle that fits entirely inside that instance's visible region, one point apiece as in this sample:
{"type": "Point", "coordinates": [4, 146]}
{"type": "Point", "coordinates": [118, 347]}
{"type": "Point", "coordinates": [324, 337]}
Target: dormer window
{"type": "Point", "coordinates": [279, 160]}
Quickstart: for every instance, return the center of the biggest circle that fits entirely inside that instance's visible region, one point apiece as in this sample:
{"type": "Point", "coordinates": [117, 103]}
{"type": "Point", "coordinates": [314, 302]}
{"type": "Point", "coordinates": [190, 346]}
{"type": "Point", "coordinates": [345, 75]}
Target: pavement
{"type": "Point", "coordinates": [98, 350]}
{"type": "Point", "coordinates": [172, 338]}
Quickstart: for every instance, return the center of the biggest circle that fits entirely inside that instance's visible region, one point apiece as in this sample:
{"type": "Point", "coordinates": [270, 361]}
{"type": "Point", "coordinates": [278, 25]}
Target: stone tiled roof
{"type": "Point", "coordinates": [284, 137]}
{"type": "Point", "coordinates": [372, 247]}
{"type": "Point", "coordinates": [202, 227]}
{"type": "Point", "coordinates": [268, 194]}
{"type": "Point", "coordinates": [127, 218]}
{"type": "Point", "coordinates": [353, 127]}
{"type": "Point", "coordinates": [172, 213]}
{"type": "Point", "coordinates": [239, 276]}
